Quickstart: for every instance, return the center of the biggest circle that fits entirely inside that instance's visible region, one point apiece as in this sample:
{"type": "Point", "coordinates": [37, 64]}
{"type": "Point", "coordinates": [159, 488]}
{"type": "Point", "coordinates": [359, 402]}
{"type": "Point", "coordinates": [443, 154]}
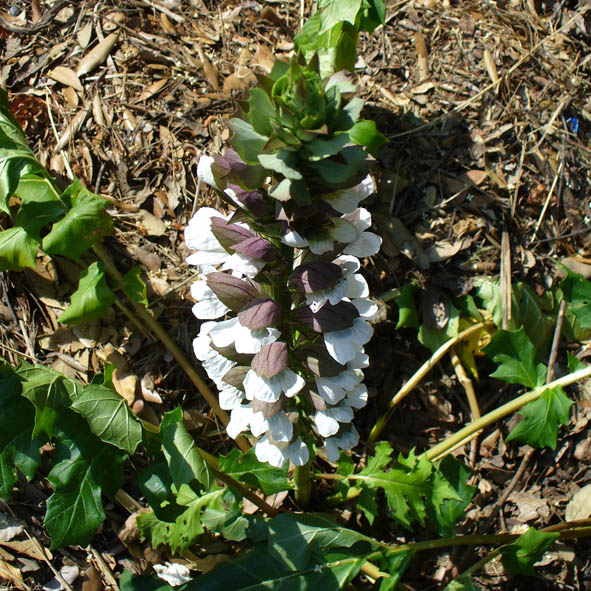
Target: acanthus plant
{"type": "Point", "coordinates": [287, 312]}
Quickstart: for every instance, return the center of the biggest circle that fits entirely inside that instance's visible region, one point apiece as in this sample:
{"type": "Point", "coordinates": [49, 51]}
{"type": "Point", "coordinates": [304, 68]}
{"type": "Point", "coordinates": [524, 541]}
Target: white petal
{"type": "Point", "coordinates": [231, 332]}
{"type": "Point", "coordinates": [232, 195]}
{"type": "Point", "coordinates": [204, 172]}
{"type": "Point", "coordinates": [207, 257]}
{"type": "Point", "coordinates": [239, 420]}
{"type": "Point", "coordinates": [280, 427]}
{"type": "Point", "coordinates": [291, 383]}
{"type": "Point", "coordinates": [294, 239]}
{"type": "Point", "coordinates": [261, 388]}
{"type": "Point", "coordinates": [298, 453]}
{"type": "Point", "coordinates": [321, 245]}
{"type": "Point", "coordinates": [357, 286]}
{"type": "Point", "coordinates": [367, 309]}
{"type": "Point", "coordinates": [357, 397]}
{"type": "Point", "coordinates": [364, 220]}
{"type": "Point", "coordinates": [332, 449]}
{"type": "Point", "coordinates": [325, 424]}
{"type": "Point", "coordinates": [258, 424]}
{"type": "Point", "coordinates": [245, 265]}
{"type": "Point", "coordinates": [198, 234]}
{"type": "Point", "coordinates": [360, 361]}
{"type": "Point", "coordinates": [208, 305]}
{"type": "Point", "coordinates": [230, 397]}
{"type": "Point", "coordinates": [174, 574]}
{"type": "Point", "coordinates": [265, 451]}
{"type": "Point", "coordinates": [348, 264]}
{"type": "Point", "coordinates": [343, 230]}
{"type": "Point", "coordinates": [366, 245]}
{"type": "Point", "coordinates": [367, 187]}
{"type": "Point", "coordinates": [343, 345]}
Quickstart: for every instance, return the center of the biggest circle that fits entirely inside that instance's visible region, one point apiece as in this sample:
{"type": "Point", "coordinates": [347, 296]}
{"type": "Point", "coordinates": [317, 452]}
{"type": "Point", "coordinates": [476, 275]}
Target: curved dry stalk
{"type": "Point", "coordinates": [468, 432]}
{"type": "Point", "coordinates": [171, 346]}
{"type": "Point", "coordinates": [421, 373]}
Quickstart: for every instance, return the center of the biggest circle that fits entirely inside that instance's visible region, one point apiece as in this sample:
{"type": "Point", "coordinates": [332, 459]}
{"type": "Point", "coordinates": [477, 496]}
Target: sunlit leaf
{"type": "Point", "coordinates": [520, 556]}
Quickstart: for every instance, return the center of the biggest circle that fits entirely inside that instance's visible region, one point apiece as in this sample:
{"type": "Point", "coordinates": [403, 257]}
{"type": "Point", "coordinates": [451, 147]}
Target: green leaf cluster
{"type": "Point", "coordinates": [332, 33]}
{"type": "Point", "coordinates": [414, 488]}
{"type": "Point", "coordinates": [92, 430]}
{"type": "Point", "coordinates": [305, 130]}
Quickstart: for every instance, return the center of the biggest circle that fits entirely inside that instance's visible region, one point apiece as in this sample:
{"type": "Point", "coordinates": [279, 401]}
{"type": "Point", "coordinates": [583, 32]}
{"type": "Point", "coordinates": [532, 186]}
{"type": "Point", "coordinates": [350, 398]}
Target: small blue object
{"type": "Point", "coordinates": [573, 123]}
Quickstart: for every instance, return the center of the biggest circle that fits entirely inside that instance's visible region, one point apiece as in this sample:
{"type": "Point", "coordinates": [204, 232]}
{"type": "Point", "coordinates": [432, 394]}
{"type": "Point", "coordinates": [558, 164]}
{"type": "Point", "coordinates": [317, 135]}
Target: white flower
{"type": "Point", "coordinates": [367, 308]}
{"type": "Point", "coordinates": [350, 285]}
{"type": "Point", "coordinates": [364, 244]}
{"type": "Point", "coordinates": [327, 420]}
{"type": "Point", "coordinates": [276, 455]}
{"type": "Point", "coordinates": [199, 237]}
{"type": "Point", "coordinates": [347, 200]}
{"type": "Point", "coordinates": [240, 419]}
{"type": "Point", "coordinates": [204, 172]}
{"type": "Point", "coordinates": [215, 365]}
{"type": "Point", "coordinates": [270, 389]}
{"type": "Point", "coordinates": [335, 388]}
{"type": "Point", "coordinates": [294, 239]}
{"type": "Point", "coordinates": [344, 345]}
{"type": "Point", "coordinates": [230, 397]}
{"type": "Point", "coordinates": [231, 332]}
{"type": "Point", "coordinates": [347, 439]}
{"type": "Point", "coordinates": [360, 361]}
{"type": "Point", "coordinates": [357, 396]}
{"type": "Point", "coordinates": [207, 304]}
{"type": "Point", "coordinates": [174, 574]}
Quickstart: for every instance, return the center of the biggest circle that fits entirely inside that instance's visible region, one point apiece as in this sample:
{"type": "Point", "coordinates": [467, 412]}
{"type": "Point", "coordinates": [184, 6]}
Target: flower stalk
{"type": "Point", "coordinates": [286, 312]}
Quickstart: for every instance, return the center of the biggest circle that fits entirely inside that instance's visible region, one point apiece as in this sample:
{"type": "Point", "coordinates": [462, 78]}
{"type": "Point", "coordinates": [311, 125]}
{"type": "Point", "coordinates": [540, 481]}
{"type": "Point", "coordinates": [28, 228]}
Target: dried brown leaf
{"type": "Point", "coordinates": [97, 56]}
{"type": "Point", "coordinates": [66, 76]}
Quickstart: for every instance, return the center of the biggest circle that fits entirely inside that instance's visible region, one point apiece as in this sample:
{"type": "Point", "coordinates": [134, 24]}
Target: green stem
{"type": "Point", "coordinates": [302, 479]}
{"type": "Point", "coordinates": [421, 373]}
{"type": "Point", "coordinates": [451, 442]}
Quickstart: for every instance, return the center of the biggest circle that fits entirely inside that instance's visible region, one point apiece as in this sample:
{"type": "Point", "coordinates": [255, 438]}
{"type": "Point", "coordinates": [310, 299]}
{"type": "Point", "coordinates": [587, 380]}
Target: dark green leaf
{"type": "Point", "coordinates": [516, 356]}
{"type": "Point", "coordinates": [445, 512]}
{"type": "Point", "coordinates": [135, 288]}
{"type": "Point", "coordinates": [282, 162]}
{"type": "Point", "coordinates": [84, 224]}
{"type": "Point", "coordinates": [18, 449]}
{"type": "Point", "coordinates": [332, 12]}
{"type": "Point", "coordinates": [542, 419]}
{"type": "Point", "coordinates": [92, 298]}
{"type": "Point", "coordinates": [533, 317]}
{"type": "Point", "coordinates": [574, 364]}
{"type": "Point", "coordinates": [184, 461]}
{"type": "Point", "coordinates": [84, 467]}
{"type": "Point", "coordinates": [520, 556]}
{"type": "Point", "coordinates": [261, 111]}
{"type": "Point", "coordinates": [17, 249]}
{"type": "Point", "coordinates": [245, 467]}
{"type": "Point", "coordinates": [395, 565]}
{"type": "Point", "coordinates": [109, 417]}
{"type": "Point", "coordinates": [461, 583]}
{"type": "Point", "coordinates": [407, 311]}
{"type": "Point", "coordinates": [365, 133]}
{"type": "Point", "coordinates": [49, 393]}
{"type": "Point", "coordinates": [130, 582]}
{"type": "Point", "coordinates": [223, 515]}
{"type": "Point", "coordinates": [156, 486]}
{"type": "Point", "coordinates": [323, 148]}
{"type": "Point", "coordinates": [246, 141]}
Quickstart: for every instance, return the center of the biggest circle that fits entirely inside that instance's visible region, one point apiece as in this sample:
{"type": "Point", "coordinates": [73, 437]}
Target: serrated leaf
{"type": "Point", "coordinates": [109, 417]}
{"type": "Point", "coordinates": [333, 12]}
{"type": "Point", "coordinates": [85, 223]}
{"type": "Point", "coordinates": [516, 356]}
{"type": "Point", "coordinates": [223, 515]}
{"type": "Point", "coordinates": [184, 461]}
{"type": "Point", "coordinates": [245, 467]}
{"type": "Point", "coordinates": [409, 485]}
{"type": "Point", "coordinates": [520, 556]}
{"type": "Point", "coordinates": [135, 288]}
{"type": "Point", "coordinates": [445, 511]}
{"type": "Point", "coordinates": [18, 449]}
{"type": "Point", "coordinates": [542, 417]}
{"type": "Point", "coordinates": [407, 311]}
{"type": "Point", "coordinates": [84, 467]}
{"type": "Point", "coordinates": [92, 298]}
